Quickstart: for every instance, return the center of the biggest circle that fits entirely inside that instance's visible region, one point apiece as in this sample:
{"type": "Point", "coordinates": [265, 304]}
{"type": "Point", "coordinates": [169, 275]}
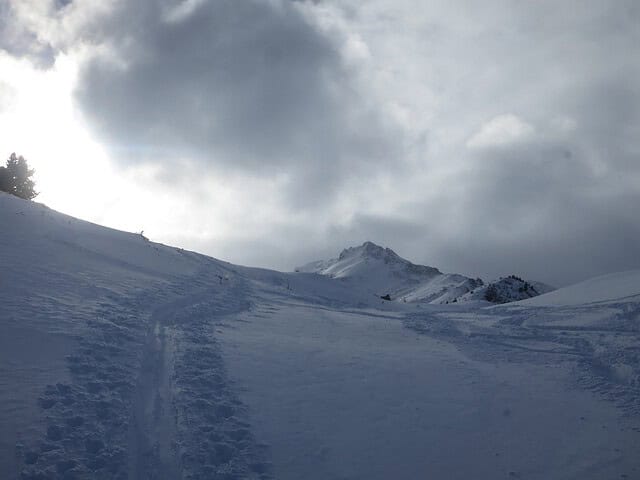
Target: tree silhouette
{"type": "Point", "coordinates": [15, 178]}
{"type": "Point", "coordinates": [5, 181]}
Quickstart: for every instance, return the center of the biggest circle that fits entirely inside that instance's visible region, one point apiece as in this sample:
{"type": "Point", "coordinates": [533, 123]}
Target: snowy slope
{"type": "Point", "coordinates": [607, 288]}
{"type": "Point", "coordinates": [123, 358]}
{"type": "Point", "coordinates": [49, 235]}
{"type": "Point", "coordinates": [99, 332]}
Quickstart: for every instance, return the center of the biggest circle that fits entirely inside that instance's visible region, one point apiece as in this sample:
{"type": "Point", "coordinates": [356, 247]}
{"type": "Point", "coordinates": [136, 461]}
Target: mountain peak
{"type": "Point", "coordinates": [370, 250]}
{"type": "Point", "coordinates": [378, 268]}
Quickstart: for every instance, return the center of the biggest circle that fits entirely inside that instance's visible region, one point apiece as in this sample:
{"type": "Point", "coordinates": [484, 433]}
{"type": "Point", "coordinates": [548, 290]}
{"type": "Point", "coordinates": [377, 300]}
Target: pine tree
{"type": "Point", "coordinates": [5, 181]}
{"type": "Point", "coordinates": [491, 294]}
{"type": "Point", "coordinates": [15, 178]}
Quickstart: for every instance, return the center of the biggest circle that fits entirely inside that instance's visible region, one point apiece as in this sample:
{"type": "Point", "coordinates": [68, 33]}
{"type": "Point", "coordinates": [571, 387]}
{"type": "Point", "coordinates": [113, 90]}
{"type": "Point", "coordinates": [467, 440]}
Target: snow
{"type": "Point", "coordinates": [124, 358]}
{"type": "Point", "coordinates": [606, 288]}
{"type": "Point", "coordinates": [341, 395]}
{"type": "Point", "coordinates": [505, 290]}
{"type": "Point", "coordinates": [102, 377]}
{"type": "Point", "coordinates": [380, 271]}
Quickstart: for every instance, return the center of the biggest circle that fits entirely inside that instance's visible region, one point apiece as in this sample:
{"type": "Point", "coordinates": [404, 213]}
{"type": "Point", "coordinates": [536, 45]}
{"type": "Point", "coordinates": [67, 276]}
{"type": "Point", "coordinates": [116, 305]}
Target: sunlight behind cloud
{"type": "Point", "coordinates": [73, 174]}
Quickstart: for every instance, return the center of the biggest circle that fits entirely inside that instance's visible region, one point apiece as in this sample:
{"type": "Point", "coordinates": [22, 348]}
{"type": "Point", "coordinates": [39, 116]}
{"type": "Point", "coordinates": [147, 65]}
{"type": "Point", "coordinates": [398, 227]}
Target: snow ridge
{"type": "Point", "coordinates": [384, 273]}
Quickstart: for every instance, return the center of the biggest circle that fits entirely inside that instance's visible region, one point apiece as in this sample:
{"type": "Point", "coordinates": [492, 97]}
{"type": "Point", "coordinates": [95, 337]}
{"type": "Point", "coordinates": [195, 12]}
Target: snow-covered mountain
{"type": "Point", "coordinates": [383, 272]}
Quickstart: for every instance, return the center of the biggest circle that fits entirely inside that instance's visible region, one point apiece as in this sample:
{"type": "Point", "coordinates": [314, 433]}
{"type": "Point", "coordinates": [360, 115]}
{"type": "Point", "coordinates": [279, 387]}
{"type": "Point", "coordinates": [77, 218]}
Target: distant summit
{"type": "Point", "coordinates": [384, 273]}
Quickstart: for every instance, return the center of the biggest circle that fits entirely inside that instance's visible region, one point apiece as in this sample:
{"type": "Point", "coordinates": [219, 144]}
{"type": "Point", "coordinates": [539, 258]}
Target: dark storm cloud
{"type": "Point", "coordinates": [250, 85]}
{"type": "Point", "coordinates": [558, 203]}
{"type": "Point", "coordinates": [537, 209]}
{"type": "Point", "coordinates": [554, 195]}
{"type": "Point", "coordinates": [544, 209]}
{"type": "Point", "coordinates": [609, 114]}
{"type": "Point", "coordinates": [559, 207]}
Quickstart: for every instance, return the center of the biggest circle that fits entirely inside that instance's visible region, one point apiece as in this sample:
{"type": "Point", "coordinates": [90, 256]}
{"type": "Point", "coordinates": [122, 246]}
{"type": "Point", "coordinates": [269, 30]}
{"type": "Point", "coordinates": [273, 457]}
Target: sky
{"type": "Point", "coordinates": [484, 138]}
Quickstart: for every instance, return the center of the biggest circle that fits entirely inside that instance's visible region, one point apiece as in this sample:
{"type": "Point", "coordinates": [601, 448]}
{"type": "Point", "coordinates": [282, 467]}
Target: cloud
{"type": "Point", "coordinates": [485, 138]}
{"type": "Point", "coordinates": [7, 94]}
{"type": "Point", "coordinates": [541, 207]}
{"type": "Point", "coordinates": [501, 130]}
{"type": "Point", "coordinates": [251, 85]}
{"type": "Point", "coordinates": [524, 131]}
{"type": "Point", "coordinates": [19, 37]}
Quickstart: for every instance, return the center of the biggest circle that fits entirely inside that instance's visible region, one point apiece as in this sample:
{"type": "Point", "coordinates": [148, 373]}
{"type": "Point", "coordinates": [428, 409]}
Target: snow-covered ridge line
{"type": "Point", "coordinates": [383, 272]}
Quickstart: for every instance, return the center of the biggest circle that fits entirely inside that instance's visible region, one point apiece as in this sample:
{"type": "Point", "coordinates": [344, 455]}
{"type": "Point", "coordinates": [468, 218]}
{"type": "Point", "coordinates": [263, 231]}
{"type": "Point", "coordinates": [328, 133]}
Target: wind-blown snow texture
{"type": "Point", "coordinates": [123, 358]}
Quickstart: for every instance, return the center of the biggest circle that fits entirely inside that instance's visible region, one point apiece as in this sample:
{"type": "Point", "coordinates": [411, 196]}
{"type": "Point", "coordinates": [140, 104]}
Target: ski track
{"type": "Point", "coordinates": [340, 395]}
{"type": "Point", "coordinates": [605, 355]}
{"type": "Point", "coordinates": [148, 396]}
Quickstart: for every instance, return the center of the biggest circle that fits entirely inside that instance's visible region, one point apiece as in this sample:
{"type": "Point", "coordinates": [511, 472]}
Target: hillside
{"type": "Point", "coordinates": [124, 358]}
{"type": "Point", "coordinates": [616, 287]}
{"type": "Point", "coordinates": [79, 306]}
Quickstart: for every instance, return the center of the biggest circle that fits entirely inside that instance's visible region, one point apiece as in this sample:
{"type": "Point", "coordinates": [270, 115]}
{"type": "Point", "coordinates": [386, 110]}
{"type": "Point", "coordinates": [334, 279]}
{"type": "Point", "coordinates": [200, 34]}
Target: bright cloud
{"type": "Point", "coordinates": [501, 130]}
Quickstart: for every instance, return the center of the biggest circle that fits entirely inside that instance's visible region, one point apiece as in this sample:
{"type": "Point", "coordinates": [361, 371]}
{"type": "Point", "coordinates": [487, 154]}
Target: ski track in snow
{"type": "Point", "coordinates": [340, 394]}
{"type": "Point", "coordinates": [605, 354]}
{"type": "Point", "coordinates": [148, 396]}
